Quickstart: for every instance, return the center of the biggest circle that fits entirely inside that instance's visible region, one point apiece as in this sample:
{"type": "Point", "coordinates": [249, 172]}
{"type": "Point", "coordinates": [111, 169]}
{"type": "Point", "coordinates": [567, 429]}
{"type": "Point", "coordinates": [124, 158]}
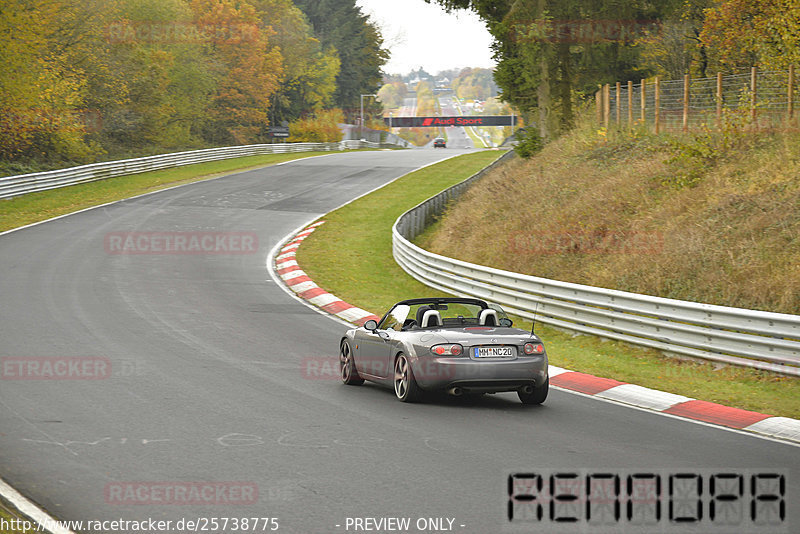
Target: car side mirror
{"type": "Point", "coordinates": [505, 321]}
{"type": "Point", "coordinates": [371, 325]}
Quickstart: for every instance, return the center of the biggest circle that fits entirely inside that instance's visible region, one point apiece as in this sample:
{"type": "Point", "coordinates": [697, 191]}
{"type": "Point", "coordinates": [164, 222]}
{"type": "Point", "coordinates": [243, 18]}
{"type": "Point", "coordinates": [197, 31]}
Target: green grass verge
{"type": "Point", "coordinates": [351, 257]}
{"type": "Point", "coordinates": [9, 513]}
{"type": "Point", "coordinates": [358, 236]}
{"type": "Point", "coordinates": [35, 207]}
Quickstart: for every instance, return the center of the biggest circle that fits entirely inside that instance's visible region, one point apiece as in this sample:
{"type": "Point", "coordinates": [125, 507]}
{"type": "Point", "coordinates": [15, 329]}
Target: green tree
{"type": "Point", "coordinates": [340, 25]}
{"type": "Point", "coordinates": [550, 52]}
{"type": "Point", "coordinates": [309, 74]}
{"type": "Point", "coordinates": [153, 81]}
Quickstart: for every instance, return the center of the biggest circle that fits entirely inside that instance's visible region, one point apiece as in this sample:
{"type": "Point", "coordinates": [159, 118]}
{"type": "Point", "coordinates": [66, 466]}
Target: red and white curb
{"type": "Point", "coordinates": [305, 288]}
{"type": "Point", "coordinates": [781, 428]}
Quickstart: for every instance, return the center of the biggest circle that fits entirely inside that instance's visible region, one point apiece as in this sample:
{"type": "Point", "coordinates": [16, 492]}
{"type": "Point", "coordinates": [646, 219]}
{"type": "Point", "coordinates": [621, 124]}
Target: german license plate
{"type": "Point", "coordinates": [494, 352]}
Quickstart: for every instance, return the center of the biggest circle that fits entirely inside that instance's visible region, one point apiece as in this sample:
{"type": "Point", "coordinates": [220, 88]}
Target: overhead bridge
{"type": "Point", "coordinates": [457, 120]}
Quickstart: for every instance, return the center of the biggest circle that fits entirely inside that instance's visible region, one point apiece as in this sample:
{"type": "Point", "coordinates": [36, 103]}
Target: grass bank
{"type": "Point", "coordinates": [35, 207]}
{"type": "Point", "coordinates": [367, 276]}
{"type": "Point", "coordinates": [707, 217]}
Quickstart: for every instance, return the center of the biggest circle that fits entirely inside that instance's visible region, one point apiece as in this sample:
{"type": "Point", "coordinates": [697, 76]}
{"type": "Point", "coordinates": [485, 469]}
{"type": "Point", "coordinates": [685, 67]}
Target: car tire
{"type": "Point", "coordinates": [405, 385]}
{"type": "Point", "coordinates": [347, 366]}
{"type": "Point", "coordinates": [538, 395]}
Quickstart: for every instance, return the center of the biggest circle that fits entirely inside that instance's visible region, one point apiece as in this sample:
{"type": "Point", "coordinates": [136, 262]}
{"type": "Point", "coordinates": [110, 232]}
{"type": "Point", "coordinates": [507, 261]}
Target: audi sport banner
{"type": "Point", "coordinates": [466, 120]}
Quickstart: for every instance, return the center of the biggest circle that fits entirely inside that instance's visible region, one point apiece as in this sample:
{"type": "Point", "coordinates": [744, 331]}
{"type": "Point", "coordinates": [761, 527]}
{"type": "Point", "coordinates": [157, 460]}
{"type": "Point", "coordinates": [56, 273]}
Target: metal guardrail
{"type": "Point", "coordinates": [11, 186]}
{"type": "Point", "coordinates": [750, 338]}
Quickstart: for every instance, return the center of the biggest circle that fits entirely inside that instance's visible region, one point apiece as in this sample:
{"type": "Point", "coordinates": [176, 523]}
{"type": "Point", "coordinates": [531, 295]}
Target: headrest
{"type": "Point", "coordinates": [488, 317]}
{"type": "Point", "coordinates": [431, 318]}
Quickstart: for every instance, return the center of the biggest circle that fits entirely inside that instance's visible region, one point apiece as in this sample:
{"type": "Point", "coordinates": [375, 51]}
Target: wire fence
{"type": "Point", "coordinates": [764, 99]}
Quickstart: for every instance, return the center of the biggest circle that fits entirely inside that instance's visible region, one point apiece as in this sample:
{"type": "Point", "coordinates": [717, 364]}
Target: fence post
{"type": "Point", "coordinates": [719, 100]}
{"type": "Point", "coordinates": [685, 102]}
{"type": "Point", "coordinates": [630, 104]}
{"type": "Point", "coordinates": [657, 111]}
{"type": "Point", "coordinates": [753, 93]}
{"type": "Point", "coordinates": [606, 105]}
{"type": "Point", "coordinates": [618, 97]}
{"type": "Point", "coordinates": [790, 94]}
{"type": "Point", "coordinates": [644, 101]}
{"type": "Point", "coordinates": [598, 98]}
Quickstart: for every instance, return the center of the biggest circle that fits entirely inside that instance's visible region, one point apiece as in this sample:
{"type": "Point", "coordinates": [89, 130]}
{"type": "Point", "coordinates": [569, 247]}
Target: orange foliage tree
{"type": "Point", "coordinates": [742, 33]}
{"type": "Point", "coordinates": [246, 67]}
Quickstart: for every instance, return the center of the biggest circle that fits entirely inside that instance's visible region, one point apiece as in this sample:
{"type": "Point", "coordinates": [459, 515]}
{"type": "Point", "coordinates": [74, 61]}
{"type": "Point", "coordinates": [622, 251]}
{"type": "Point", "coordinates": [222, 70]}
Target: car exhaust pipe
{"type": "Point", "coordinates": [527, 390]}
{"type": "Point", "coordinates": [455, 391]}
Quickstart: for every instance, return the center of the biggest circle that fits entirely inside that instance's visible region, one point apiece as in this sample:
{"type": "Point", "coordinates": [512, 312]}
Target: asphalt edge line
{"type": "Point", "coordinates": [32, 511]}
{"type": "Point", "coordinates": [605, 389]}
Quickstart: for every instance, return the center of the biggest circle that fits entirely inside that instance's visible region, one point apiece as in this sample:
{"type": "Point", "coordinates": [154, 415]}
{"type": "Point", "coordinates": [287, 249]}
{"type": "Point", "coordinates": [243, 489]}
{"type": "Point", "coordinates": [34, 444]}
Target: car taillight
{"type": "Point", "coordinates": [448, 350]}
{"type": "Point", "coordinates": [533, 348]}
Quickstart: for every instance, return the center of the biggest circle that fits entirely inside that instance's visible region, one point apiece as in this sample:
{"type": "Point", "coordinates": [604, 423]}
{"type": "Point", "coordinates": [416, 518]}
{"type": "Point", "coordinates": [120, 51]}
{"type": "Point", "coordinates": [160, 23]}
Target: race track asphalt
{"type": "Point", "coordinates": [219, 376]}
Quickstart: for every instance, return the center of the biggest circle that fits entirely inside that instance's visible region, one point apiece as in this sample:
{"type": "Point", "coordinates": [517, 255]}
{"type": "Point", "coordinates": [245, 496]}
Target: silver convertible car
{"type": "Point", "coordinates": [458, 345]}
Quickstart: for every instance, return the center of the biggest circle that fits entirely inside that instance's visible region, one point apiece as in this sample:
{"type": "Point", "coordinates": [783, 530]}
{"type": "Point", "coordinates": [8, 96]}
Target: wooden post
{"type": "Point", "coordinates": [657, 110]}
{"type": "Point", "coordinates": [685, 102]}
{"type": "Point", "coordinates": [618, 99]}
{"type": "Point", "coordinates": [644, 101]}
{"type": "Point", "coordinates": [606, 105]}
{"type": "Point", "coordinates": [718, 97]}
{"type": "Point", "coordinates": [598, 98]}
{"type": "Point", "coordinates": [790, 94]}
{"type": "Point", "coordinates": [630, 104]}
{"type": "Point", "coordinates": [753, 93]}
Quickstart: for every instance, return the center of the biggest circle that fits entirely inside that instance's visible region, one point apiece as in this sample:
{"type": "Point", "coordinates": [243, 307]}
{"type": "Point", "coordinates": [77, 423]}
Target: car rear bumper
{"type": "Point", "coordinates": [483, 375]}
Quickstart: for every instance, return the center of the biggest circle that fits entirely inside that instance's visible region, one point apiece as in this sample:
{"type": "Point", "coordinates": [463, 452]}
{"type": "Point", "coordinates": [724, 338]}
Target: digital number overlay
{"type": "Point", "coordinates": [656, 500]}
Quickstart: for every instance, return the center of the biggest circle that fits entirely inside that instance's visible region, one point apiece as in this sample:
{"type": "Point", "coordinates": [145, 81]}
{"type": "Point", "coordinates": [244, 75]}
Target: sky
{"type": "Point", "coordinates": [418, 34]}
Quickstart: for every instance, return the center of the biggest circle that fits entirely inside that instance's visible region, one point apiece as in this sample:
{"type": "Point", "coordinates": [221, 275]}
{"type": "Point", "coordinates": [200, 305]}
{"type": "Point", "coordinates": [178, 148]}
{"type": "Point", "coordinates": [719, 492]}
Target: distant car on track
{"type": "Point", "coordinates": [458, 345]}
{"type": "Point", "coordinates": [439, 142]}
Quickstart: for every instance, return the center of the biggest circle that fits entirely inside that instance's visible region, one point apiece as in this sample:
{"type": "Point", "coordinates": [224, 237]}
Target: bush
{"type": "Point", "coordinates": [528, 142]}
{"type": "Point", "coordinates": [323, 127]}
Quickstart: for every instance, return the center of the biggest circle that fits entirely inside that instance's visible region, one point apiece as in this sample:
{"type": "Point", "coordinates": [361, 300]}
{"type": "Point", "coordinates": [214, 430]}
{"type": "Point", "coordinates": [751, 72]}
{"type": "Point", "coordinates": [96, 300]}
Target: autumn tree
{"type": "Point", "coordinates": [392, 94]}
{"type": "Point", "coordinates": [742, 33]}
{"type": "Point", "coordinates": [308, 81]}
{"type": "Point", "coordinates": [474, 84]}
{"type": "Point", "coordinates": [246, 69]}
{"type": "Point", "coordinates": [43, 78]}
{"type": "Point", "coordinates": [153, 81]}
